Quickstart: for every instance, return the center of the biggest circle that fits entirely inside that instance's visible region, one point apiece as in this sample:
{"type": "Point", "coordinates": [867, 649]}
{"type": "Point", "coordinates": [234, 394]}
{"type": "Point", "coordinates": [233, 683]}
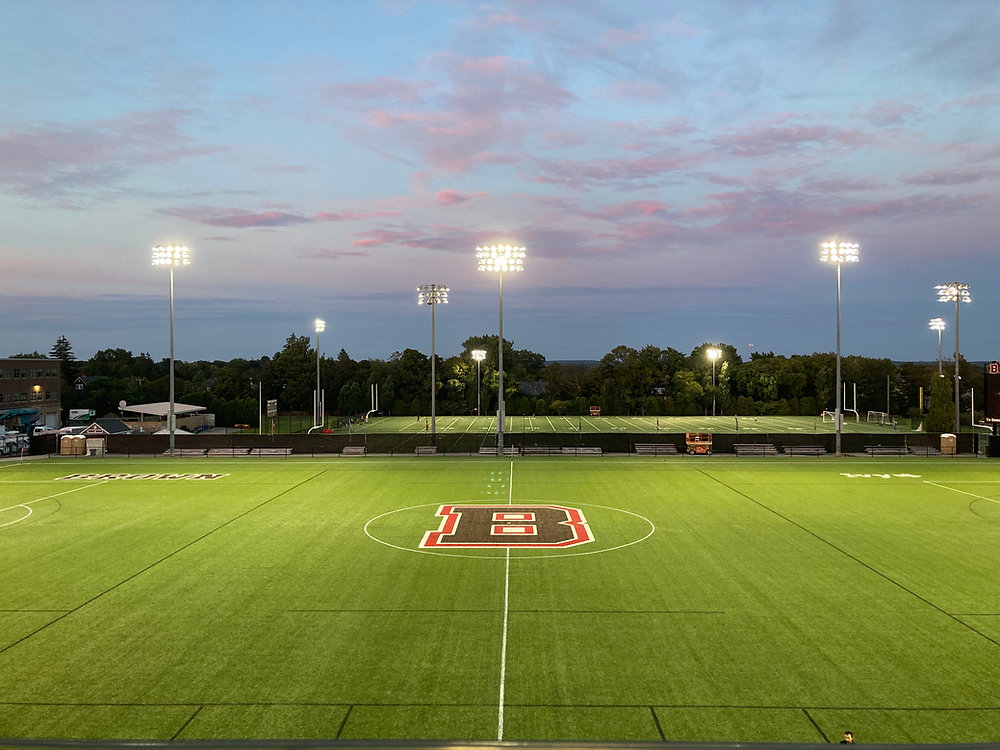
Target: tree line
{"type": "Point", "coordinates": [650, 381]}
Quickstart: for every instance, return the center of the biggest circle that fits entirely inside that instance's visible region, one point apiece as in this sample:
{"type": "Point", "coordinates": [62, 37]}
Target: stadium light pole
{"type": "Point", "coordinates": [170, 256]}
{"type": "Point", "coordinates": [938, 324]}
{"type": "Point", "coordinates": [433, 295]}
{"type": "Point", "coordinates": [500, 258]}
{"type": "Point", "coordinates": [479, 355]}
{"type": "Point", "coordinates": [957, 293]}
{"type": "Point", "coordinates": [838, 252]}
{"type": "Point", "coordinates": [713, 354]}
{"type": "Point", "coordinates": [320, 326]}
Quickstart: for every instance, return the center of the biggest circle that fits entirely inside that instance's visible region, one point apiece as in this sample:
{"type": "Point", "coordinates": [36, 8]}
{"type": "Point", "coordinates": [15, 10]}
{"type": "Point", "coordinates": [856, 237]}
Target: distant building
{"type": "Point", "coordinates": [30, 393]}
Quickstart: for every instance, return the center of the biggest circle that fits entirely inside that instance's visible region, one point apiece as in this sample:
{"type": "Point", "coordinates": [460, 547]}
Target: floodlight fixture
{"type": "Point", "coordinates": [958, 293]}
{"type": "Point", "coordinates": [713, 354]}
{"type": "Point", "coordinates": [838, 252]}
{"type": "Point", "coordinates": [319, 412]}
{"type": "Point", "coordinates": [171, 256]}
{"type": "Point", "coordinates": [433, 295]}
{"type": "Point", "coordinates": [498, 259]}
{"type": "Point", "coordinates": [938, 324]}
{"type": "Point", "coordinates": [479, 355]}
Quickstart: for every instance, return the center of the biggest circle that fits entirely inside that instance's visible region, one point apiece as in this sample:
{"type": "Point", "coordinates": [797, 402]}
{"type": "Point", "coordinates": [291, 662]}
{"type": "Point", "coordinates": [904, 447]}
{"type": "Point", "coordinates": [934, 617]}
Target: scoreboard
{"type": "Point", "coordinates": [993, 393]}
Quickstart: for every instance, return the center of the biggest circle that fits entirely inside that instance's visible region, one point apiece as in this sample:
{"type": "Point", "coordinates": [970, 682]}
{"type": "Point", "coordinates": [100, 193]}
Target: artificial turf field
{"type": "Point", "coordinates": [721, 599]}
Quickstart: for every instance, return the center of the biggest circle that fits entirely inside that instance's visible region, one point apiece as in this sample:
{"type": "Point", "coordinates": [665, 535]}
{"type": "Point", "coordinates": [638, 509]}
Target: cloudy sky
{"type": "Point", "coordinates": [670, 167]}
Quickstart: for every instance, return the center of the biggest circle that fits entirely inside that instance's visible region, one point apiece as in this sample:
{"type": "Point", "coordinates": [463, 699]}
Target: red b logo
{"type": "Point", "coordinates": [510, 526]}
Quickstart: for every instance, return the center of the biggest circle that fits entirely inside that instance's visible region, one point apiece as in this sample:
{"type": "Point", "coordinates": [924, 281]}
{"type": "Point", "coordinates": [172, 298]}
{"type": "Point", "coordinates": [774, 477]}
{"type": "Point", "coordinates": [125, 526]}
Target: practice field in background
{"type": "Point", "coordinates": [729, 599]}
{"type": "Point", "coordinates": [516, 425]}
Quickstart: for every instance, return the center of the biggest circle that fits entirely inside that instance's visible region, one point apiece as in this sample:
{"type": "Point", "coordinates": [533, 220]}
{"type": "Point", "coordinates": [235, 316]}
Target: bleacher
{"type": "Point", "coordinates": [655, 449]}
{"type": "Point", "coordinates": [353, 450]}
{"type": "Point", "coordinates": [426, 450]}
{"type": "Point", "coordinates": [228, 452]}
{"type": "Point", "coordinates": [186, 452]}
{"type": "Point", "coordinates": [582, 450]}
{"type": "Point", "coordinates": [755, 449]}
{"type": "Point", "coordinates": [542, 450]}
{"type": "Point", "coordinates": [924, 450]}
{"type": "Point", "coordinates": [492, 450]}
{"type": "Point", "coordinates": [886, 450]}
{"type": "Point", "coordinates": [805, 450]}
{"type": "Point", "coordinates": [270, 452]}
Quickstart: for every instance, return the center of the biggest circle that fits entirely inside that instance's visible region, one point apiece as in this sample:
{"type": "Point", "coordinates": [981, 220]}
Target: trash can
{"type": "Point", "coordinates": [948, 443]}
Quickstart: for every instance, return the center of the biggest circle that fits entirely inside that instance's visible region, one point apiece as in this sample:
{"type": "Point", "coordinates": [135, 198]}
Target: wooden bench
{"type": "Point", "coordinates": [655, 449]}
{"type": "Point", "coordinates": [755, 449]}
{"type": "Point", "coordinates": [228, 452]}
{"type": "Point", "coordinates": [805, 450]}
{"type": "Point", "coordinates": [271, 452]}
{"type": "Point", "coordinates": [582, 450]}
{"type": "Point", "coordinates": [426, 450]}
{"type": "Point", "coordinates": [353, 450]}
{"type": "Point", "coordinates": [885, 450]}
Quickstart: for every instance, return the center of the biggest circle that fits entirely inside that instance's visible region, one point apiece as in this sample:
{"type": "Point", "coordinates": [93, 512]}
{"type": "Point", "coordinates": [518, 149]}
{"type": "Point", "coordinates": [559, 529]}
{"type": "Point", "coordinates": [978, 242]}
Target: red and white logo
{"type": "Point", "coordinates": [512, 526]}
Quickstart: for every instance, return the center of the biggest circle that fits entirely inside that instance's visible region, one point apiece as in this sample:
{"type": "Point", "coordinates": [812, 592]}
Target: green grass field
{"type": "Point", "coordinates": [721, 599]}
{"type": "Point", "coordinates": [518, 424]}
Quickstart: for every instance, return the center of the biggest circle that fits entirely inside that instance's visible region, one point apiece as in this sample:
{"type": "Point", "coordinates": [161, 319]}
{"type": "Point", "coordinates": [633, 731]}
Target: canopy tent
{"type": "Point", "coordinates": [162, 409]}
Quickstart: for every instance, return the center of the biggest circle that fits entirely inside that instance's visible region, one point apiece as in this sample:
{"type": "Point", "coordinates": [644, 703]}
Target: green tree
{"type": "Point", "coordinates": [941, 411]}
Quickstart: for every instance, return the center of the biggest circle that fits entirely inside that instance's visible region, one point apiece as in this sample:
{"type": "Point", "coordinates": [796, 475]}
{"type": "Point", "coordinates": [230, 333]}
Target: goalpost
{"type": "Point", "coordinates": [879, 417]}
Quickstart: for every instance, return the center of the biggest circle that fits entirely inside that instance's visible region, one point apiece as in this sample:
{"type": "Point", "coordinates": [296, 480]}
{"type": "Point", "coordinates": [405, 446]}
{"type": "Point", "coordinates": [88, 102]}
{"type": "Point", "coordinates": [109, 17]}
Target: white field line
{"type": "Point", "coordinates": [962, 492]}
{"type": "Point", "coordinates": [32, 502]}
{"type": "Point", "coordinates": [551, 425]}
{"type": "Point", "coordinates": [506, 611]}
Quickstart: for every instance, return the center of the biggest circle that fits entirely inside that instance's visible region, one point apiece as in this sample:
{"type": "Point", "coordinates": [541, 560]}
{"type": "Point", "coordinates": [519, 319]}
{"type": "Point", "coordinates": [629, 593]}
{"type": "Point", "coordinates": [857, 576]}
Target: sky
{"type": "Point", "coordinates": [671, 169]}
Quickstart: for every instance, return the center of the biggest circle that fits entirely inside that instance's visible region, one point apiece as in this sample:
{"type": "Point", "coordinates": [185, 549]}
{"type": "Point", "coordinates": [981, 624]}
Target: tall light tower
{"type": "Point", "coordinates": [479, 355]}
{"type": "Point", "coordinates": [713, 354]}
{"type": "Point", "coordinates": [838, 252]}
{"type": "Point", "coordinates": [938, 324]}
{"type": "Point", "coordinates": [500, 258]}
{"type": "Point", "coordinates": [318, 410]}
{"type": "Point", "coordinates": [170, 256]}
{"type": "Point", "coordinates": [956, 293]}
{"type": "Point", "coordinates": [433, 295]}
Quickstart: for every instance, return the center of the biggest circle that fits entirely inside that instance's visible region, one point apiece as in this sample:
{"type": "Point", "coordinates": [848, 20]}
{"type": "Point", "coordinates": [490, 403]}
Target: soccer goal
{"type": "Point", "coordinates": [829, 416]}
{"type": "Point", "coordinates": [879, 417]}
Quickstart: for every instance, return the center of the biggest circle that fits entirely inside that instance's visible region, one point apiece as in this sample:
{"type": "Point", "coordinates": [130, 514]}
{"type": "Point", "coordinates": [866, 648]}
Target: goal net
{"type": "Point", "coordinates": [829, 416]}
{"type": "Point", "coordinates": [878, 417]}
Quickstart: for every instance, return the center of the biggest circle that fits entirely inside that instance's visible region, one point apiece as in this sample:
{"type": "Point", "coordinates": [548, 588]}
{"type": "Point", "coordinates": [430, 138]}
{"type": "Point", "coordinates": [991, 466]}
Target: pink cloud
{"type": "Point", "coordinates": [564, 139]}
{"type": "Point", "coordinates": [379, 89]}
{"type": "Point", "coordinates": [770, 140]}
{"type": "Point", "coordinates": [611, 171]}
{"type": "Point", "coordinates": [57, 158]}
{"type": "Point", "coordinates": [947, 177]}
{"type": "Point", "coordinates": [436, 237]}
{"type": "Point", "coordinates": [631, 209]}
{"type": "Point", "coordinates": [327, 254]}
{"type": "Point", "coordinates": [236, 218]}
{"type": "Point", "coordinates": [890, 112]}
{"type": "Point", "coordinates": [353, 215]}
{"type": "Point", "coordinates": [449, 197]}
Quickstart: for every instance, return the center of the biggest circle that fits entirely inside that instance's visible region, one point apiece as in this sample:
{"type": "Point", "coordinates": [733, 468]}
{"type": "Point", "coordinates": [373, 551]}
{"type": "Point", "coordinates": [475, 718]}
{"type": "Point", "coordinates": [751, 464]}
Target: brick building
{"type": "Point", "coordinates": [30, 385]}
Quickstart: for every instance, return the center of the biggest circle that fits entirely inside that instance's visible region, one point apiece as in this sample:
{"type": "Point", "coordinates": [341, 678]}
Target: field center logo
{"type": "Point", "coordinates": [512, 526]}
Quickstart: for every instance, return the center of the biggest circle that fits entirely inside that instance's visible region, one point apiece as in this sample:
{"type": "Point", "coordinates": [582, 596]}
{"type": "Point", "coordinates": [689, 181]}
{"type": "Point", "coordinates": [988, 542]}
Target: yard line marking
{"type": "Point", "coordinates": [506, 613]}
{"type": "Point", "coordinates": [503, 643]}
{"type": "Point", "coordinates": [962, 492]}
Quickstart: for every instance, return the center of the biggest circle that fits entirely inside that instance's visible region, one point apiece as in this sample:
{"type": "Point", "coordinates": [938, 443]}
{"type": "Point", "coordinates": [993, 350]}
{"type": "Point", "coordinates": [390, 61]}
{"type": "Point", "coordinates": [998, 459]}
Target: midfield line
{"type": "Point", "coordinates": [506, 612]}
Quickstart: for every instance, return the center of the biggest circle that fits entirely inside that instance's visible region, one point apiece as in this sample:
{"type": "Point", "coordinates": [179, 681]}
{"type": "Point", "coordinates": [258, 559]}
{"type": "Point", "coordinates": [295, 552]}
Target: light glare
{"type": "Point", "coordinates": [937, 324]}
{"type": "Point", "coordinates": [953, 292]}
{"type": "Point", "coordinates": [838, 252]}
{"type": "Point", "coordinates": [500, 258]}
{"type": "Point", "coordinates": [171, 255]}
{"type": "Point", "coordinates": [432, 294]}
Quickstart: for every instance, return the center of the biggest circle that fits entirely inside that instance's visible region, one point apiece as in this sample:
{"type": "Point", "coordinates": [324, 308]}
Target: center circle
{"type": "Point", "coordinates": [611, 528]}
